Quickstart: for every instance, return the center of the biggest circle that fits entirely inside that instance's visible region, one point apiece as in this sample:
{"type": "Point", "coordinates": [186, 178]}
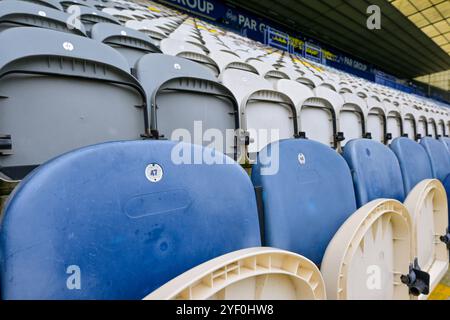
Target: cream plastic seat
{"type": "Point", "coordinates": [369, 253]}
{"type": "Point", "coordinates": [248, 274]}
{"type": "Point", "coordinates": [427, 204]}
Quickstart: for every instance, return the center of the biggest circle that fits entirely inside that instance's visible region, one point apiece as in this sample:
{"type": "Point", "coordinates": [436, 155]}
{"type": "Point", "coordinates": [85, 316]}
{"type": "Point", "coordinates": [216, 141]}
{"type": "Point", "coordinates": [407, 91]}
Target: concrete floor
{"type": "Point", "coordinates": [442, 291]}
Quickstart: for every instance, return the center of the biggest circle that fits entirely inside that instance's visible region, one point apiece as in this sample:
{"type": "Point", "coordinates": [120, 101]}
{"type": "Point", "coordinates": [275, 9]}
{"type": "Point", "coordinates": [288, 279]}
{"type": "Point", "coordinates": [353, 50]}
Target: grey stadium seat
{"type": "Point", "coordinates": [59, 92]}
{"type": "Point", "coordinates": [150, 30]}
{"type": "Point", "coordinates": [67, 3]}
{"type": "Point", "coordinates": [131, 43]}
{"type": "Point", "coordinates": [21, 13]}
{"type": "Point", "coordinates": [89, 16]}
{"type": "Point", "coordinates": [182, 92]}
{"type": "Point", "coordinates": [54, 4]}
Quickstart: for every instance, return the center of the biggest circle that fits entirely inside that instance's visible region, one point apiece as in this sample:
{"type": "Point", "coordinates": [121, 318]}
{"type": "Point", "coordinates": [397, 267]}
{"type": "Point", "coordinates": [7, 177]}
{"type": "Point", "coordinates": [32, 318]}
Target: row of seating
{"type": "Point", "coordinates": [241, 100]}
{"type": "Point", "coordinates": [118, 220]}
{"type": "Point", "coordinates": [130, 219]}
{"type": "Point", "coordinates": [158, 23]}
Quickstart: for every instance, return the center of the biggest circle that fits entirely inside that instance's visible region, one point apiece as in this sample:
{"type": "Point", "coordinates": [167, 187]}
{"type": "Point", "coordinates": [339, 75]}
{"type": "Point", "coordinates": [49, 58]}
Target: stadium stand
{"type": "Point", "coordinates": [346, 174]}
{"type": "Point", "coordinates": [205, 101]}
{"type": "Point", "coordinates": [42, 84]}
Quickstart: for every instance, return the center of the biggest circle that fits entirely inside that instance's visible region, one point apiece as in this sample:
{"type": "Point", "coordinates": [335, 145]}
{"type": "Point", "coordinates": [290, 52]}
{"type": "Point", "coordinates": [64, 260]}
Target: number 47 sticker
{"type": "Point", "coordinates": [154, 172]}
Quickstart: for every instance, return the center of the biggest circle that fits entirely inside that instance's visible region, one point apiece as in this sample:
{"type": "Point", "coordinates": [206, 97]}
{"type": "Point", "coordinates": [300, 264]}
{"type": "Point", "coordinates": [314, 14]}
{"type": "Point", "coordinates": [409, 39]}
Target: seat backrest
{"type": "Point", "coordinates": [54, 4]}
{"type": "Point", "coordinates": [173, 47]}
{"type": "Point", "coordinates": [153, 32]}
{"type": "Point", "coordinates": [446, 142]}
{"type": "Point", "coordinates": [267, 114]}
{"type": "Point", "coordinates": [90, 16]}
{"type": "Point", "coordinates": [184, 94]}
{"type": "Point", "coordinates": [131, 43]}
{"type": "Point", "coordinates": [21, 13]}
{"type": "Point", "coordinates": [307, 194]}
{"type": "Point", "coordinates": [59, 92]}
{"type": "Point", "coordinates": [120, 219]}
{"type": "Point", "coordinates": [414, 162]}
{"type": "Point", "coordinates": [295, 90]}
{"type": "Point", "coordinates": [67, 3]}
{"type": "Point", "coordinates": [243, 83]}
{"type": "Point", "coordinates": [375, 170]}
{"type": "Point", "coordinates": [439, 157]}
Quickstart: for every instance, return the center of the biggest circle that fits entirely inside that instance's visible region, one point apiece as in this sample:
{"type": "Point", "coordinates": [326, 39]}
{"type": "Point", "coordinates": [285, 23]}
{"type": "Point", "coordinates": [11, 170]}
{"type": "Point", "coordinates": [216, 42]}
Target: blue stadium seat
{"type": "Point", "coordinates": [375, 170]}
{"type": "Point", "coordinates": [413, 160]}
{"type": "Point", "coordinates": [446, 142]}
{"type": "Point", "coordinates": [307, 195]}
{"type": "Point", "coordinates": [125, 218]}
{"type": "Point", "coordinates": [439, 157]}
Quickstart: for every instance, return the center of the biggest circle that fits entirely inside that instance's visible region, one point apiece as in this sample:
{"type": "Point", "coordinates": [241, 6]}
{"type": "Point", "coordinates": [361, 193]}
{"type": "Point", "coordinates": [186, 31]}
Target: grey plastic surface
{"type": "Point", "coordinates": [90, 16]}
{"type": "Point", "coordinates": [132, 44]}
{"type": "Point", "coordinates": [181, 92]}
{"type": "Point", "coordinates": [21, 13]}
{"type": "Point", "coordinates": [54, 4]}
{"type": "Point", "coordinates": [59, 92]}
{"type": "Point", "coordinates": [67, 3]}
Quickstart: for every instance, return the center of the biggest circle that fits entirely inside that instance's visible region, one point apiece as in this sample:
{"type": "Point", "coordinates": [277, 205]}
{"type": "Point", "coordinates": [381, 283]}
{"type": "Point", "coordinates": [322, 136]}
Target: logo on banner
{"type": "Point", "coordinates": [198, 5]}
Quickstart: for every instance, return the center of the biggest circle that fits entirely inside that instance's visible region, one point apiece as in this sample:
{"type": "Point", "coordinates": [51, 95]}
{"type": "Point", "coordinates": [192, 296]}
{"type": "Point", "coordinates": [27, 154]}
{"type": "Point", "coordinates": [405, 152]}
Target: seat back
{"type": "Point", "coordinates": [352, 117]}
{"type": "Point", "coordinates": [375, 170]}
{"type": "Point", "coordinates": [22, 13]}
{"type": "Point", "coordinates": [413, 160]}
{"type": "Point", "coordinates": [307, 194]}
{"type": "Point", "coordinates": [267, 114]}
{"type": "Point", "coordinates": [59, 92]}
{"type": "Point", "coordinates": [90, 16]}
{"type": "Point", "coordinates": [54, 4]}
{"type": "Point", "coordinates": [439, 157]}
{"type": "Point", "coordinates": [185, 96]}
{"type": "Point", "coordinates": [67, 3]}
{"type": "Point", "coordinates": [376, 124]}
{"type": "Point", "coordinates": [131, 43]}
{"type": "Point", "coordinates": [118, 220]}
{"type": "Point", "coordinates": [446, 142]}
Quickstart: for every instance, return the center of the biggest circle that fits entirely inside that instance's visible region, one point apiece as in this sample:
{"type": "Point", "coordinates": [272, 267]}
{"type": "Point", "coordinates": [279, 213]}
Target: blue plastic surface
{"type": "Point", "coordinates": [414, 162]}
{"type": "Point", "coordinates": [375, 170]}
{"type": "Point", "coordinates": [307, 199]}
{"type": "Point", "coordinates": [96, 210]}
{"type": "Point", "coordinates": [446, 142]}
{"type": "Point", "coordinates": [446, 184]}
{"type": "Point", "coordinates": [439, 157]}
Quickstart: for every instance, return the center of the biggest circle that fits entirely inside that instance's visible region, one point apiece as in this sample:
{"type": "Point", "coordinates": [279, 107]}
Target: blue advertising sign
{"type": "Point", "coordinates": [313, 52]}
{"type": "Point", "coordinates": [277, 39]}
